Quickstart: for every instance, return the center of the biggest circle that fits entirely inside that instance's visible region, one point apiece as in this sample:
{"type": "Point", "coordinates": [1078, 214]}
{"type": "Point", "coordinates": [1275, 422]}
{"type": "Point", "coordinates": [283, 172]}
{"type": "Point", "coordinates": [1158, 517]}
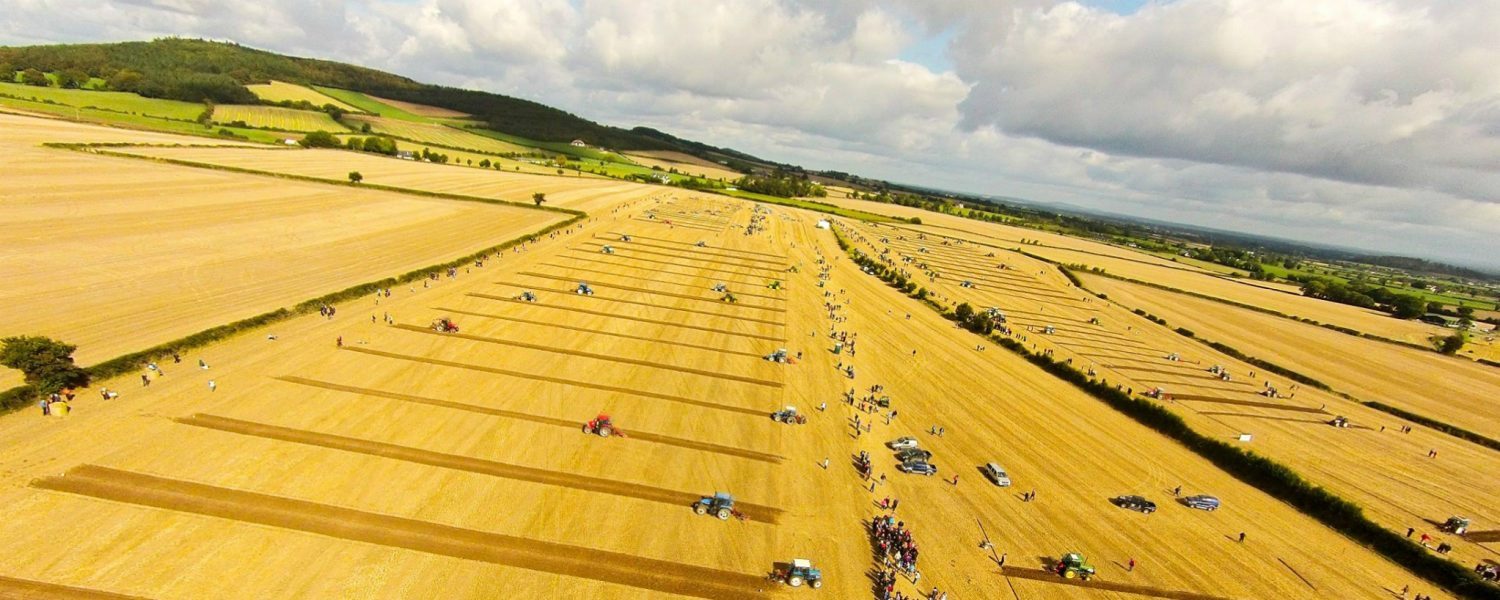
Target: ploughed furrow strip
{"type": "Point", "coordinates": [633, 249]}
{"type": "Point", "coordinates": [677, 224]}
{"type": "Point", "coordinates": [557, 380]}
{"type": "Point", "coordinates": [422, 536]}
{"type": "Point", "coordinates": [648, 272]}
{"type": "Point", "coordinates": [628, 259]}
{"type": "Point", "coordinates": [12, 588]}
{"type": "Point", "coordinates": [695, 250]}
{"type": "Point", "coordinates": [1270, 405]}
{"type": "Point", "coordinates": [659, 273]}
{"type": "Point", "coordinates": [1195, 373]}
{"type": "Point", "coordinates": [510, 414]}
{"type": "Point", "coordinates": [656, 239]}
{"type": "Point", "coordinates": [648, 304]}
{"type": "Point", "coordinates": [1267, 418]}
{"type": "Point", "coordinates": [596, 332]}
{"type": "Point", "coordinates": [605, 357]}
{"type": "Point", "coordinates": [655, 292]}
{"type": "Point", "coordinates": [1141, 590]}
{"type": "Point", "coordinates": [754, 512]}
{"type": "Point", "coordinates": [1483, 537]}
{"type": "Point", "coordinates": [629, 318]}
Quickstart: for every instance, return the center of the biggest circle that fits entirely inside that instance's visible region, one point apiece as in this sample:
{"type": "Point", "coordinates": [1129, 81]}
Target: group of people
{"type": "Point", "coordinates": [894, 542]}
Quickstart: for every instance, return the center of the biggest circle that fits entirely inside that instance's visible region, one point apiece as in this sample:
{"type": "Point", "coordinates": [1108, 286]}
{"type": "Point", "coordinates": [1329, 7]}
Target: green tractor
{"type": "Point", "coordinates": [1073, 566]}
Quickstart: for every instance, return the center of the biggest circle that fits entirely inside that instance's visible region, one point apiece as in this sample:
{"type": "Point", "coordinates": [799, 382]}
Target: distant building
{"type": "Point", "coordinates": [289, 142]}
{"type": "Point", "coordinates": [1441, 320]}
{"type": "Point", "coordinates": [579, 144]}
{"type": "Point", "coordinates": [406, 155]}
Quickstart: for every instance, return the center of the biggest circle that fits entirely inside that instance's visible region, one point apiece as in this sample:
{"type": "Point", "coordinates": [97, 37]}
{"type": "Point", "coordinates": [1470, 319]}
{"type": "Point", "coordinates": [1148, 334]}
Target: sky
{"type": "Point", "coordinates": [1371, 124]}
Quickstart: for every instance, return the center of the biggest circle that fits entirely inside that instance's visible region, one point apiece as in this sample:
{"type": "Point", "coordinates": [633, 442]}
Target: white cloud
{"type": "Point", "coordinates": [1372, 123]}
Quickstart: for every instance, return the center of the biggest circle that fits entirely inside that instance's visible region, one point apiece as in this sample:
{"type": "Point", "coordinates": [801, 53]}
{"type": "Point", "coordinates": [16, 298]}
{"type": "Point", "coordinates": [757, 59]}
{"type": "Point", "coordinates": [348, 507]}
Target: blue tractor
{"type": "Point", "coordinates": [721, 505]}
{"type": "Point", "coordinates": [801, 572]}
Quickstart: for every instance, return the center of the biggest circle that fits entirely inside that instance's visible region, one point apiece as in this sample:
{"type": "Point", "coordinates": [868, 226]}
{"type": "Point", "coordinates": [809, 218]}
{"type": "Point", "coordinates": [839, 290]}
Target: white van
{"type": "Point", "coordinates": [996, 473]}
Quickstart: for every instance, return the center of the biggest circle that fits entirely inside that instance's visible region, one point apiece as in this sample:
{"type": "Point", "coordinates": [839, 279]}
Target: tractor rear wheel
{"type": "Point", "coordinates": [1070, 574]}
{"type": "Point", "coordinates": [723, 514]}
{"type": "Point", "coordinates": [700, 509]}
{"type": "Point", "coordinates": [605, 431]}
{"type": "Point", "coordinates": [794, 581]}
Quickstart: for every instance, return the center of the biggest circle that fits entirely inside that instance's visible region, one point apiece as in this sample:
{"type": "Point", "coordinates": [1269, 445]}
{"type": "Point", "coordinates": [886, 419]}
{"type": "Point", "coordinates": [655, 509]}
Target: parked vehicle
{"type": "Point", "coordinates": [997, 474]}
{"type": "Point", "coordinates": [1136, 503]}
{"type": "Point", "coordinates": [1202, 502]}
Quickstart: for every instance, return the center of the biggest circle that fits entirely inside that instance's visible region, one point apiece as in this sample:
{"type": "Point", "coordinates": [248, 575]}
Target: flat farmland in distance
{"type": "Point", "coordinates": [1145, 267]}
{"type": "Point", "coordinates": [1453, 390]}
{"type": "Point", "coordinates": [423, 110]}
{"type": "Point", "coordinates": [684, 163]}
{"type": "Point", "coordinates": [127, 254]}
{"type": "Point", "coordinates": [582, 193]}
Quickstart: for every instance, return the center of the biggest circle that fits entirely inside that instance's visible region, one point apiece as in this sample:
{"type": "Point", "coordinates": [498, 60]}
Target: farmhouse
{"type": "Point", "coordinates": [579, 144]}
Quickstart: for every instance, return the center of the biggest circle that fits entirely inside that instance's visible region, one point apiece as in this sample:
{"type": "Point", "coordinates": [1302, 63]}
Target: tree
{"type": "Point", "coordinates": [355, 177]}
{"type": "Point", "coordinates": [1406, 306]}
{"type": "Point", "coordinates": [364, 128]}
{"type": "Point", "coordinates": [964, 312]}
{"type": "Point", "coordinates": [319, 139]}
{"type": "Point", "coordinates": [539, 198]}
{"type": "Point", "coordinates": [47, 364]}
{"type": "Point", "coordinates": [124, 80]}
{"type": "Point", "coordinates": [1452, 344]}
{"type": "Point", "coordinates": [7, 72]}
{"type": "Point", "coordinates": [72, 79]}
{"type": "Point", "coordinates": [35, 77]}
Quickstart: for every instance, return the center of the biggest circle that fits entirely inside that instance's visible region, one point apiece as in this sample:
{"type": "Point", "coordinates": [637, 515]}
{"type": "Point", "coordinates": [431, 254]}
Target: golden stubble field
{"type": "Point", "coordinates": [1140, 266]}
{"type": "Point", "coordinates": [1453, 390]}
{"type": "Point", "coordinates": [116, 254]}
{"type": "Point", "coordinates": [1372, 463]}
{"type": "Point", "coordinates": [409, 463]}
{"type": "Point", "coordinates": [589, 194]}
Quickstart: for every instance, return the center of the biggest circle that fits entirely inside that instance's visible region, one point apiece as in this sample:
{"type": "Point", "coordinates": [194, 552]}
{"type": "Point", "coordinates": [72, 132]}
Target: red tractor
{"type": "Point", "coordinates": [602, 426]}
{"type": "Point", "coordinates": [444, 325]}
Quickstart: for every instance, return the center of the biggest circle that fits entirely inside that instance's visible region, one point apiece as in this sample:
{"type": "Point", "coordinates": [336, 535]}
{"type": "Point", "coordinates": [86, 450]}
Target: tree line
{"type": "Point", "coordinates": [781, 184]}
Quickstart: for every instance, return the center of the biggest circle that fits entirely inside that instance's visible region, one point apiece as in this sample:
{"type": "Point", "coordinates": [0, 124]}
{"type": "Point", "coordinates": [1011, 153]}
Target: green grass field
{"type": "Point", "coordinates": [280, 91]}
{"type": "Point", "coordinates": [124, 102]}
{"type": "Point", "coordinates": [104, 117]}
{"type": "Point", "coordinates": [276, 117]}
{"type": "Point", "coordinates": [555, 147]}
{"type": "Point", "coordinates": [370, 105]}
{"type": "Point", "coordinates": [810, 205]}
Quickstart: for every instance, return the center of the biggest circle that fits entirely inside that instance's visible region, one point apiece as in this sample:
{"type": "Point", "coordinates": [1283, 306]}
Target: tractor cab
{"type": "Point", "coordinates": [526, 296]}
{"type": "Point", "coordinates": [444, 325]}
{"type": "Point", "coordinates": [1456, 525]}
{"type": "Point", "coordinates": [721, 505]}
{"type": "Point", "coordinates": [1340, 421]}
{"type": "Point", "coordinates": [721, 287]}
{"type": "Point", "coordinates": [701, 244]}
{"type": "Point", "coordinates": [802, 571]}
{"type": "Point", "coordinates": [1073, 566]}
{"type": "Point", "coordinates": [607, 249]}
{"type": "Point", "coordinates": [584, 289]}
{"type": "Point", "coordinates": [624, 238]}
{"type": "Point", "coordinates": [966, 284]}
{"type": "Point", "coordinates": [775, 285]}
{"type": "Point", "coordinates": [780, 355]}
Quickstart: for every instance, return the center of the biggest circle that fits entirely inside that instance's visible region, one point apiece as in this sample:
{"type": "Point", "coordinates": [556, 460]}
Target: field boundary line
{"type": "Point", "coordinates": [664, 262]}
{"type": "Point", "coordinates": [292, 514]}
{"type": "Point", "coordinates": [686, 285]}
{"type": "Point", "coordinates": [634, 248]}
{"type": "Point", "coordinates": [782, 257]}
{"type": "Point", "coordinates": [696, 250]}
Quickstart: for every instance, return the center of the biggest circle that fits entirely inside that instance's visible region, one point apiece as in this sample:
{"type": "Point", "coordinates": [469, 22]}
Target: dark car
{"type": "Point", "coordinates": [914, 455]}
{"type": "Point", "coordinates": [1136, 503]}
{"type": "Point", "coordinates": [918, 468]}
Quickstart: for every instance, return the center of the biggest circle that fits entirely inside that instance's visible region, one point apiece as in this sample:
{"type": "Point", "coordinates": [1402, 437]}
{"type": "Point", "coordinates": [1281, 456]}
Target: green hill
{"type": "Point", "coordinates": [197, 70]}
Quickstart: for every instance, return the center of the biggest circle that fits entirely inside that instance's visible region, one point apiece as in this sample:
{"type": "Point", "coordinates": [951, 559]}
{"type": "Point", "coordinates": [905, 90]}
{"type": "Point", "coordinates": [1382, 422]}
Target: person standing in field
{"type": "Point", "coordinates": [212, 385]}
